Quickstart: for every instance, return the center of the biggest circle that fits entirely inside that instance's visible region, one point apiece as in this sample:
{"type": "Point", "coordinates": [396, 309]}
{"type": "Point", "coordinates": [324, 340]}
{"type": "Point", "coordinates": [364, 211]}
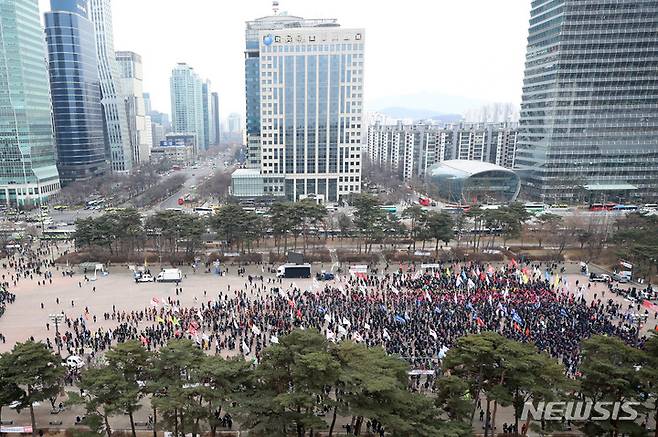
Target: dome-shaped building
{"type": "Point", "coordinates": [472, 182]}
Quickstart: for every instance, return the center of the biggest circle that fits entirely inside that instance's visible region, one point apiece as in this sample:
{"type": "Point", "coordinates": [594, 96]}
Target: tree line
{"type": "Point", "coordinates": [303, 383]}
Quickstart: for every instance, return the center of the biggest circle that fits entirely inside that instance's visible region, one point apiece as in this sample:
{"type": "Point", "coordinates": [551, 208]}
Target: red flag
{"type": "Point", "coordinates": [291, 303]}
{"type": "Point", "coordinates": [650, 306]}
{"type": "Point", "coordinates": [299, 314]}
{"type": "Point", "coordinates": [527, 332]}
{"type": "Point", "coordinates": [479, 321]}
{"type": "Point", "coordinates": [513, 263]}
{"type": "Point", "coordinates": [517, 327]}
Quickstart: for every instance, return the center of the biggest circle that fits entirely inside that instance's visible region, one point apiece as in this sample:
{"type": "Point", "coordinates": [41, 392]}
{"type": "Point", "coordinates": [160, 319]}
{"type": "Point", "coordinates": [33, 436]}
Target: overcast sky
{"type": "Point", "coordinates": [465, 48]}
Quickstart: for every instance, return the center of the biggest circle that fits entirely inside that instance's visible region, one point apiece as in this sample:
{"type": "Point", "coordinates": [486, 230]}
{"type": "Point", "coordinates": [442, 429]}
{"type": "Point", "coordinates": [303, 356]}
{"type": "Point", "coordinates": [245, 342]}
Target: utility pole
{"type": "Point", "coordinates": [57, 319]}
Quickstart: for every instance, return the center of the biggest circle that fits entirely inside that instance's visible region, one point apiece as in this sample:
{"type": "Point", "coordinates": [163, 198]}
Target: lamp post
{"type": "Point", "coordinates": [57, 319]}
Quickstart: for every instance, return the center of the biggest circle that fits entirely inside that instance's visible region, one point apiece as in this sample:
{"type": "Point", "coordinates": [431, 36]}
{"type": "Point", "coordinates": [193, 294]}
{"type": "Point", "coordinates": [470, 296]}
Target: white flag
{"type": "Point", "coordinates": [341, 330]}
{"type": "Point", "coordinates": [346, 322]}
{"type": "Point", "coordinates": [330, 335]}
{"type": "Point", "coordinates": [255, 329]}
{"type": "Point", "coordinates": [433, 334]}
{"type": "Point", "coordinates": [357, 337]}
{"type": "Point", "coordinates": [367, 326]}
{"type": "Point", "coordinates": [245, 348]}
{"type": "Point", "coordinates": [386, 336]}
{"type": "Point", "coordinates": [274, 339]}
{"type": "Point", "coordinates": [471, 284]}
{"type": "Point", "coordinates": [395, 290]}
{"type": "Point", "coordinates": [327, 317]}
{"type": "Point", "coordinates": [427, 296]}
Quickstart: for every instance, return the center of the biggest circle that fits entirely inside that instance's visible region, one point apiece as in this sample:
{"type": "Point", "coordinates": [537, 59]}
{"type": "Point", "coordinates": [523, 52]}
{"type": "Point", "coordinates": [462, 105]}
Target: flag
{"type": "Point", "coordinates": [245, 348]}
{"type": "Point", "coordinates": [395, 290]}
{"type": "Point", "coordinates": [330, 335]}
{"type": "Point", "coordinates": [357, 337]}
{"type": "Point", "coordinates": [160, 320]}
{"type": "Point", "coordinates": [346, 322]}
{"type": "Point", "coordinates": [471, 284]}
{"type": "Point", "coordinates": [144, 340]}
{"type": "Point", "coordinates": [479, 322]}
{"type": "Point", "coordinates": [274, 339]}
{"type": "Point", "coordinates": [386, 335]}
{"type": "Point", "coordinates": [327, 318]}
{"type": "Point", "coordinates": [650, 306]}
{"type": "Point", "coordinates": [291, 303]}
{"type": "Point", "coordinates": [366, 326]}
{"type": "Point", "coordinates": [192, 330]}
{"type": "Point", "coordinates": [342, 330]}
{"type": "Point", "coordinates": [433, 334]}
{"type": "Point", "coordinates": [516, 317]}
{"type": "Point", "coordinates": [175, 321]}
{"type": "Point", "coordinates": [427, 296]}
{"type": "Point", "coordinates": [299, 314]}
{"type": "Point", "coordinates": [400, 319]}
{"type": "Point", "coordinates": [556, 280]}
{"type": "Point", "coordinates": [199, 315]}
{"type": "Point", "coordinates": [513, 263]}
{"type": "Point", "coordinates": [255, 330]}
{"type": "Point", "coordinates": [459, 281]}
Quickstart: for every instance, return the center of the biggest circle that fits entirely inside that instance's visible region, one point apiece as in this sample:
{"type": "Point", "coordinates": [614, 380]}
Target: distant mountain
{"type": "Point", "coordinates": [419, 114]}
{"type": "Point", "coordinates": [431, 104]}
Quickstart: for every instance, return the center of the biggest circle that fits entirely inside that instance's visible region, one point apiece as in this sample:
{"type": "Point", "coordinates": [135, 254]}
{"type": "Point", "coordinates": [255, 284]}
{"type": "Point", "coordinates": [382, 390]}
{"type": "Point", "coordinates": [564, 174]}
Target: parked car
{"type": "Point", "coordinates": [599, 277]}
{"type": "Point", "coordinates": [145, 278]}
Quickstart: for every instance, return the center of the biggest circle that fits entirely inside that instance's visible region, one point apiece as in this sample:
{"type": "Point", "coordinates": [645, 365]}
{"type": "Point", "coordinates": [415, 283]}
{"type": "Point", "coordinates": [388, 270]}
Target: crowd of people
{"type": "Point", "coordinates": [416, 315]}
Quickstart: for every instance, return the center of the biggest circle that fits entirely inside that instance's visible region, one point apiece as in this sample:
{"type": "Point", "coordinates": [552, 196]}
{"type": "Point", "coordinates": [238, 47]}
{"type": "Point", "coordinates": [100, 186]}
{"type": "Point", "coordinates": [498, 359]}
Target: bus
{"type": "Point", "coordinates": [625, 208]}
{"type": "Point", "coordinates": [424, 201]}
{"type": "Point", "coordinates": [389, 208]}
{"type": "Point", "coordinates": [597, 207]}
{"type": "Point", "coordinates": [534, 207]}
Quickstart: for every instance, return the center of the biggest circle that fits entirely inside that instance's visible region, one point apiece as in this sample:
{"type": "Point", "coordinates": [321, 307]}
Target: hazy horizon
{"type": "Point", "coordinates": [448, 54]}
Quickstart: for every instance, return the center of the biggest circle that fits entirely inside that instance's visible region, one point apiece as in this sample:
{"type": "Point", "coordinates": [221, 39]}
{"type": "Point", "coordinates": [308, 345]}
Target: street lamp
{"type": "Point", "coordinates": [57, 319]}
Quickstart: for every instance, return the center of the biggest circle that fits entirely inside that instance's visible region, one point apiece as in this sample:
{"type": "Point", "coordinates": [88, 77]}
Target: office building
{"type": "Point", "coordinates": [187, 114]}
{"type": "Point", "coordinates": [28, 173]}
{"type": "Point", "coordinates": [589, 118]}
{"type": "Point", "coordinates": [234, 123]}
{"type": "Point", "coordinates": [147, 103]}
{"type": "Point", "coordinates": [252, 72]}
{"type": "Point", "coordinates": [75, 91]}
{"type": "Point", "coordinates": [409, 150]}
{"type": "Point", "coordinates": [132, 82]}
{"type": "Point", "coordinates": [206, 95]}
{"type": "Point", "coordinates": [310, 106]}
{"type": "Point", "coordinates": [177, 148]}
{"type": "Point", "coordinates": [215, 120]}
{"type": "Point", "coordinates": [113, 98]}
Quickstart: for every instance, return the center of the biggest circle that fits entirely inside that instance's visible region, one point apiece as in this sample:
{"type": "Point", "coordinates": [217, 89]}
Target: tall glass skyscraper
{"type": "Point", "coordinates": [75, 90]}
{"type": "Point", "coordinates": [252, 71]}
{"type": "Point", "coordinates": [589, 117]}
{"type": "Point", "coordinates": [28, 173]}
{"type": "Point", "coordinates": [113, 97]}
{"type": "Point", "coordinates": [132, 75]}
{"type": "Point", "coordinates": [206, 94]}
{"type": "Point", "coordinates": [187, 113]}
{"type": "Point", "coordinates": [311, 112]}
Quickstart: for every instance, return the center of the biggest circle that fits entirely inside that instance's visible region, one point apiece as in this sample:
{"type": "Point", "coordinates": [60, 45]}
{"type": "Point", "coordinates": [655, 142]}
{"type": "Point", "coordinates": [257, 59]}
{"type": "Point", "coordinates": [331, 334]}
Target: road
{"type": "Point", "coordinates": [194, 177]}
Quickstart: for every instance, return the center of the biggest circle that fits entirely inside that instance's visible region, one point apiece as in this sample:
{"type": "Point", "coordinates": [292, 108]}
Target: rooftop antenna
{"type": "Point", "coordinates": [275, 7]}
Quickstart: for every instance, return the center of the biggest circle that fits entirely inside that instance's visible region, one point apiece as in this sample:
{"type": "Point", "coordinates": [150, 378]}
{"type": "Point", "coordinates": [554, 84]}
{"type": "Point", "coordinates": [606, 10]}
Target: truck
{"type": "Point", "coordinates": [294, 271]}
{"type": "Point", "coordinates": [169, 275]}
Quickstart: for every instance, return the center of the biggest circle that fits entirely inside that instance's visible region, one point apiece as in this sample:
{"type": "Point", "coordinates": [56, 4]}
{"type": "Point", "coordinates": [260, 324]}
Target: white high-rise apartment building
{"type": "Point", "coordinates": [132, 76]}
{"type": "Point", "coordinates": [187, 108]}
{"type": "Point", "coordinates": [112, 95]}
{"type": "Point", "coordinates": [408, 151]}
{"type": "Point", "coordinates": [311, 111]}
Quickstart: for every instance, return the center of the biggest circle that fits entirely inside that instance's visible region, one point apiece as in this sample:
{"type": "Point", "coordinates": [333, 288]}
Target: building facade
{"type": "Point", "coordinates": [28, 171]}
{"type": "Point", "coordinates": [113, 98]}
{"type": "Point", "coordinates": [177, 148]}
{"type": "Point", "coordinates": [187, 108]}
{"type": "Point", "coordinates": [75, 91]}
{"type": "Point", "coordinates": [253, 77]}
{"type": "Point", "coordinates": [132, 82]}
{"type": "Point", "coordinates": [311, 112]}
{"type": "Point", "coordinates": [589, 118]}
{"type": "Point", "coordinates": [408, 151]}
{"type": "Point", "coordinates": [215, 120]}
{"type": "Point", "coordinates": [206, 96]}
